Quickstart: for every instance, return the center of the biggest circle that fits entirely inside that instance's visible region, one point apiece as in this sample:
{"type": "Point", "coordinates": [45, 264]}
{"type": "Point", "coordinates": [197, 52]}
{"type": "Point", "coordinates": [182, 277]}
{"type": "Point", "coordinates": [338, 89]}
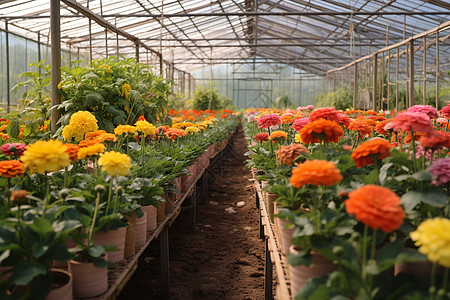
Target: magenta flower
{"type": "Point", "coordinates": [265, 121]}
{"type": "Point", "coordinates": [426, 109]}
{"type": "Point", "coordinates": [299, 123]}
{"type": "Point", "coordinates": [12, 149]}
{"type": "Point", "coordinates": [440, 170]}
{"type": "Point", "coordinates": [411, 121]}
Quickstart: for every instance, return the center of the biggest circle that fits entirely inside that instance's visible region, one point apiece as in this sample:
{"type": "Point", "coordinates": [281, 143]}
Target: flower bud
{"type": "Point", "coordinates": [120, 190]}
{"type": "Point", "coordinates": [338, 251]}
{"type": "Point", "coordinates": [99, 188]}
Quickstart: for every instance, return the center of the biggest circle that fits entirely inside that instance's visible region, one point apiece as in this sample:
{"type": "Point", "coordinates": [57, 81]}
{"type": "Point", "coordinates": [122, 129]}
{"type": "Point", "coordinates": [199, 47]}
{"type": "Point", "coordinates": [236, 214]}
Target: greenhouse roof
{"type": "Point", "coordinates": [314, 36]}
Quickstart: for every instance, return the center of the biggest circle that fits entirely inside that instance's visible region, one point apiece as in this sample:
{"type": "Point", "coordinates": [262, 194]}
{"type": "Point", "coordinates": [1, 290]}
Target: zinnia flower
{"type": "Point", "coordinates": [191, 129]}
{"type": "Point", "coordinates": [321, 130]}
{"type": "Point", "coordinates": [300, 123]}
{"type": "Point", "coordinates": [278, 136]}
{"type": "Point", "coordinates": [433, 240]}
{"type": "Point", "coordinates": [91, 150]}
{"type": "Point", "coordinates": [441, 171]}
{"type": "Point", "coordinates": [72, 150]}
{"type": "Point", "coordinates": [265, 121]}
{"type": "Point", "coordinates": [298, 138]}
{"type": "Point", "coordinates": [380, 127]}
{"type": "Point", "coordinates": [83, 121]}
{"type": "Point", "coordinates": [287, 118]}
{"type": "Point", "coordinates": [445, 111]}
{"type": "Point", "coordinates": [426, 109]}
{"type": "Point", "coordinates": [376, 148]}
{"type": "Point", "coordinates": [362, 127]}
{"type": "Point", "coordinates": [412, 121]}
{"type": "Point", "coordinates": [376, 206]}
{"type": "Point", "coordinates": [145, 128]}
{"type": "Point", "coordinates": [316, 172]}
{"type": "Point", "coordinates": [18, 196]}
{"type": "Point", "coordinates": [87, 143]}
{"type": "Point", "coordinates": [115, 163]}
{"type": "Point", "coordinates": [107, 68]}
{"type": "Point", "coordinates": [121, 129]}
{"type": "Point", "coordinates": [262, 136]}
{"type": "Point", "coordinates": [11, 168]}
{"type": "Point", "coordinates": [435, 140]}
{"type": "Point", "coordinates": [344, 120]}
{"type": "Point", "coordinates": [327, 113]}
{"type": "Point", "coordinates": [287, 154]}
{"type": "Point", "coordinates": [11, 149]}
{"type": "Point", "coordinates": [45, 156]}
{"type": "Point", "coordinates": [173, 133]}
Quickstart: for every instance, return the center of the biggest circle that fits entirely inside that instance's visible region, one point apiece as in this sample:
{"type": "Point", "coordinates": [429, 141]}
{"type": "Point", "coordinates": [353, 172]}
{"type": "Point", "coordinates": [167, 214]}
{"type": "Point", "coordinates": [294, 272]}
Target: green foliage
{"type": "Point", "coordinates": [102, 90]}
{"type": "Point", "coordinates": [282, 102]}
{"type": "Point", "coordinates": [340, 99]}
{"type": "Point", "coordinates": [205, 98]}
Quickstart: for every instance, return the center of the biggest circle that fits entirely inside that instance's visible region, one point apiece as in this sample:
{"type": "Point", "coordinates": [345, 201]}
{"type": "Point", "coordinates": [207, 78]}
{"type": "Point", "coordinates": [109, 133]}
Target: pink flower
{"type": "Point", "coordinates": [299, 123]}
{"type": "Point", "coordinates": [8, 149]}
{"type": "Point", "coordinates": [309, 107]}
{"type": "Point", "coordinates": [346, 147]}
{"type": "Point", "coordinates": [445, 111]}
{"type": "Point", "coordinates": [266, 121]}
{"type": "Point", "coordinates": [440, 170]}
{"type": "Point", "coordinates": [426, 109]}
{"type": "Point", "coordinates": [412, 121]}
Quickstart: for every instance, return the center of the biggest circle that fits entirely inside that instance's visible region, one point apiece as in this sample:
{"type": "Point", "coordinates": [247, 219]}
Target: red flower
{"type": "Point", "coordinates": [412, 121]}
{"type": "Point", "coordinates": [262, 136]}
{"type": "Point", "coordinates": [344, 120]}
{"type": "Point", "coordinates": [299, 123]}
{"type": "Point", "coordinates": [265, 121]}
{"type": "Point", "coordinates": [9, 149]}
{"type": "Point", "coordinates": [327, 113]}
{"type": "Point", "coordinates": [445, 111]}
{"type": "Point", "coordinates": [435, 140]}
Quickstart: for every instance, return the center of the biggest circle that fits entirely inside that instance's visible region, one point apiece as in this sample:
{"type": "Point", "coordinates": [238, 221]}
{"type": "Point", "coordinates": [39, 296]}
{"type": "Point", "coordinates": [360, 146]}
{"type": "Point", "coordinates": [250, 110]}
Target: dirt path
{"type": "Point", "coordinates": [223, 258]}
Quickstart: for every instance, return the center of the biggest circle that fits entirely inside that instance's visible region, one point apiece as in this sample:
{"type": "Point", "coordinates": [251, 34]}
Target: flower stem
{"type": "Point", "coordinates": [413, 146]}
{"type": "Point", "coordinates": [65, 177]}
{"type": "Point", "coordinates": [94, 218]}
{"type": "Point", "coordinates": [316, 209]}
{"type": "Point", "coordinates": [108, 204]}
{"type": "Point", "coordinates": [445, 280]}
{"type": "Point", "coordinates": [364, 252]}
{"type": "Point", "coordinates": [433, 281]}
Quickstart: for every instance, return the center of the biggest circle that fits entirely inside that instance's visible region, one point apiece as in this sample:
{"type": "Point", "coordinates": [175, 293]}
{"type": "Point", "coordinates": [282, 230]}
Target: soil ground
{"type": "Point", "coordinates": [223, 258]}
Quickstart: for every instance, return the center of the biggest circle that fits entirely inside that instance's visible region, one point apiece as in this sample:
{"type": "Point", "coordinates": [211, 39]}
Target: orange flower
{"type": "Point", "coordinates": [5, 136]}
{"type": "Point", "coordinates": [278, 136]}
{"type": "Point", "coordinates": [72, 150]}
{"type": "Point", "coordinates": [287, 118]}
{"type": "Point", "coordinates": [101, 136]}
{"type": "Point", "coordinates": [87, 143]}
{"type": "Point", "coordinates": [435, 140]}
{"type": "Point", "coordinates": [3, 127]}
{"type": "Point", "coordinates": [11, 168]}
{"type": "Point", "coordinates": [287, 154]}
{"type": "Point", "coordinates": [371, 112]}
{"type": "Point", "coordinates": [380, 127]}
{"type": "Point", "coordinates": [18, 196]}
{"type": "Point", "coordinates": [315, 172]}
{"type": "Point", "coordinates": [372, 123]}
{"type": "Point", "coordinates": [366, 152]}
{"type": "Point", "coordinates": [327, 113]}
{"type": "Point", "coordinates": [362, 127]}
{"type": "Point", "coordinates": [321, 130]}
{"type": "Point", "coordinates": [173, 133]}
{"type": "Point", "coordinates": [94, 134]}
{"type": "Point", "coordinates": [376, 206]}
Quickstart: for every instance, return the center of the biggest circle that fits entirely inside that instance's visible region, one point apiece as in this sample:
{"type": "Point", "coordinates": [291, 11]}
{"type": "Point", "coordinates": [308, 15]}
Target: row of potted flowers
{"type": "Point", "coordinates": [91, 196]}
{"type": "Point", "coordinates": [361, 197]}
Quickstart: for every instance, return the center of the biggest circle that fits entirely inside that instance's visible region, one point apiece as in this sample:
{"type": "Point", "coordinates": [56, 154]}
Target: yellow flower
{"type": "Point", "coordinates": [80, 123]}
{"type": "Point", "coordinates": [204, 124]}
{"type": "Point", "coordinates": [45, 156]}
{"type": "Point", "coordinates": [191, 129]}
{"type": "Point", "coordinates": [145, 127]}
{"type": "Point", "coordinates": [107, 68]}
{"type": "Point", "coordinates": [126, 89]}
{"type": "Point", "coordinates": [433, 240]}
{"type": "Point", "coordinates": [60, 85]}
{"type": "Point", "coordinates": [91, 151]}
{"type": "Point", "coordinates": [121, 129]}
{"type": "Point", "coordinates": [201, 127]}
{"type": "Point", "coordinates": [298, 138]}
{"type": "Point", "coordinates": [115, 163]}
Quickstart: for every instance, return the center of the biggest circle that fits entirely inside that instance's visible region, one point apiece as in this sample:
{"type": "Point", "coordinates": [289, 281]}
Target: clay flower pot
{"type": "Point", "coordinates": [151, 212]}
{"type": "Point", "coordinates": [141, 231]}
{"type": "Point", "coordinates": [300, 274]}
{"type": "Point", "coordinates": [62, 282]}
{"type": "Point", "coordinates": [130, 237]}
{"type": "Point", "coordinates": [115, 237]}
{"type": "Point", "coordinates": [88, 280]}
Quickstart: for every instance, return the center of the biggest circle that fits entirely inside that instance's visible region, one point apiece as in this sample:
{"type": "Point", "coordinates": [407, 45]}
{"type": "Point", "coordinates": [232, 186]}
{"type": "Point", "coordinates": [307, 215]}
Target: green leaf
{"type": "Point", "coordinates": [435, 198]}
{"type": "Point", "coordinates": [300, 259]}
{"type": "Point", "coordinates": [24, 272]}
{"type": "Point", "coordinates": [39, 250]}
{"type": "Point", "coordinates": [96, 251]}
{"type": "Point", "coordinates": [41, 225]}
{"type": "Point", "coordinates": [371, 178]}
{"type": "Point", "coordinates": [13, 128]}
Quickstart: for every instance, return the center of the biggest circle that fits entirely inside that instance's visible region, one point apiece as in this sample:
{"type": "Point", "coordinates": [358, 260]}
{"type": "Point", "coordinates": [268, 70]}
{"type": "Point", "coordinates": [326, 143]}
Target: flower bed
{"type": "Point", "coordinates": [366, 191]}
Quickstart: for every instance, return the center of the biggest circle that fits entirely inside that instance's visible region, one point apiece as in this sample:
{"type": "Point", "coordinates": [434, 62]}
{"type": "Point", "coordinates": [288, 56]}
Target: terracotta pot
{"type": "Point", "coordinates": [62, 282]}
{"type": "Point", "coordinates": [161, 214]}
{"type": "Point", "coordinates": [286, 235]}
{"type": "Point", "coordinates": [112, 237]}
{"type": "Point", "coordinates": [130, 239]}
{"type": "Point", "coordinates": [170, 197]}
{"type": "Point", "coordinates": [141, 231]}
{"type": "Point", "coordinates": [271, 197]}
{"type": "Point", "coordinates": [300, 274]}
{"type": "Point", "coordinates": [151, 212]}
{"type": "Point", "coordinates": [88, 280]}
{"type": "Point", "coordinates": [420, 269]}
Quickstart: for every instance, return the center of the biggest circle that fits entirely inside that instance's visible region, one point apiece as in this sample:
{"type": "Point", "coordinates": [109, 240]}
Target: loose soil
{"type": "Point", "coordinates": [223, 258]}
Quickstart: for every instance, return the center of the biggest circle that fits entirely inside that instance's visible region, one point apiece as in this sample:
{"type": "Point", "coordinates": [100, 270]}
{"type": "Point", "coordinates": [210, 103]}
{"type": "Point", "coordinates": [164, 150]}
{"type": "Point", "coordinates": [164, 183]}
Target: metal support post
{"type": "Point", "coordinates": [437, 69]}
{"type": "Point", "coordinates": [165, 271]}
{"type": "Point", "coordinates": [374, 86]}
{"type": "Point", "coordinates": [137, 52]}
{"type": "Point", "coordinates": [56, 61]}
{"type": "Point", "coordinates": [411, 73]}
{"type": "Point", "coordinates": [355, 84]}
{"type": "Point", "coordinates": [268, 274]}
{"type": "Point", "coordinates": [424, 87]}
{"type": "Point", "coordinates": [8, 83]}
